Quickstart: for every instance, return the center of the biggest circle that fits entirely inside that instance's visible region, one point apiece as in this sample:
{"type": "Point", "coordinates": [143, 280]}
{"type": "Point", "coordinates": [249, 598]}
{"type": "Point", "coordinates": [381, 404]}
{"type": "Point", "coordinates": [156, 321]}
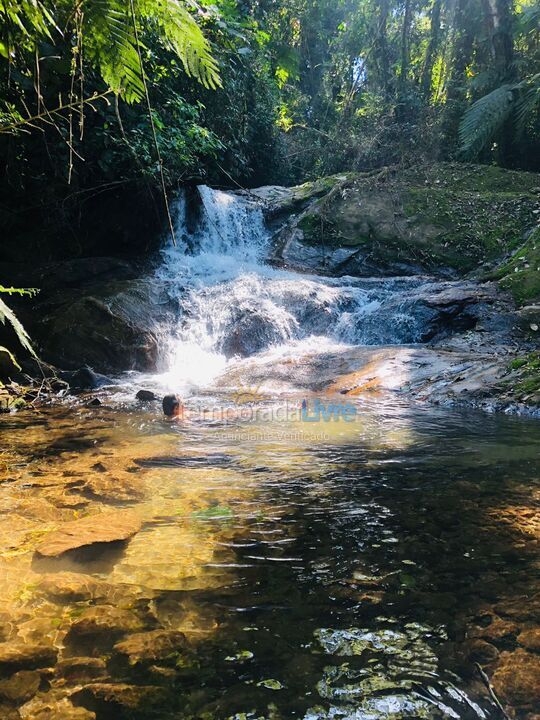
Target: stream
{"type": "Point", "coordinates": [355, 566]}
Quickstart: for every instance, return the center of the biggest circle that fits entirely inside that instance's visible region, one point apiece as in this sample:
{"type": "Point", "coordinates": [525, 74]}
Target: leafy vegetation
{"type": "Point", "coordinates": [521, 273]}
{"type": "Point", "coordinates": [526, 371]}
{"type": "Point", "coordinates": [110, 105]}
{"type": "Point", "coordinates": [6, 314]}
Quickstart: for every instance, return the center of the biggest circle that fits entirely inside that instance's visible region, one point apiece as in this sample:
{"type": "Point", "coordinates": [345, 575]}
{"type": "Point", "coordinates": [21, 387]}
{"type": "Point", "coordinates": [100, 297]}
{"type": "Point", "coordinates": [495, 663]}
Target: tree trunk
{"type": "Point", "coordinates": [405, 50]}
{"type": "Point", "coordinates": [498, 15]}
{"type": "Point", "coordinates": [456, 92]}
{"type": "Point", "coordinates": [431, 51]}
{"type": "Point", "coordinates": [381, 50]}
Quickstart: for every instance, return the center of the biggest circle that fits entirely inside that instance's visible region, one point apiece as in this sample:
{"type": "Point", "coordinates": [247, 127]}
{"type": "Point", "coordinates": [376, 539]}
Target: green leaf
{"type": "Point", "coordinates": [11, 357]}
{"type": "Point", "coordinates": [271, 684]}
{"type": "Point", "coordinates": [215, 512]}
{"type": "Point", "coordinates": [484, 119]}
{"type": "Point", "coordinates": [7, 314]}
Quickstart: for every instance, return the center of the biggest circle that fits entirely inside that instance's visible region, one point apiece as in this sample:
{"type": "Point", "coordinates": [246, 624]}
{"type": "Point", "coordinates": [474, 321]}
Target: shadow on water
{"type": "Point", "coordinates": [391, 566]}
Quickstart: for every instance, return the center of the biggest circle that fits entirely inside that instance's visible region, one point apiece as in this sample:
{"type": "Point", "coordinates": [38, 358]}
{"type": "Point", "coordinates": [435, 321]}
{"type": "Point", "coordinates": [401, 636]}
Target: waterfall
{"type": "Point", "coordinates": [234, 304]}
{"type": "Point", "coordinates": [229, 236]}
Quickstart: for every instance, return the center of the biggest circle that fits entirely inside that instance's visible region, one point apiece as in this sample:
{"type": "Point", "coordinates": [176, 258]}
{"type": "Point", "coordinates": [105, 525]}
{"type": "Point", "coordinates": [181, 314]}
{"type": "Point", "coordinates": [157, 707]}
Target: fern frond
{"type": "Point", "coordinates": [19, 291]}
{"type": "Point", "coordinates": [528, 101]}
{"type": "Point", "coordinates": [529, 19]}
{"type": "Point", "coordinates": [7, 314]}
{"type": "Point", "coordinates": [484, 118]}
{"type": "Point", "coordinates": [12, 358]}
{"type": "Point", "coordinates": [186, 39]}
{"type": "Point", "coordinates": [483, 81]}
{"type": "Point", "coordinates": [31, 17]}
{"type": "Point", "coordinates": [110, 40]}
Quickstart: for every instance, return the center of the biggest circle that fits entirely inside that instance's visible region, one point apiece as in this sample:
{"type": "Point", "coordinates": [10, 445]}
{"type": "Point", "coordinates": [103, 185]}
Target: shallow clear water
{"type": "Point", "coordinates": [340, 570]}
{"type": "Point", "coordinates": [318, 570]}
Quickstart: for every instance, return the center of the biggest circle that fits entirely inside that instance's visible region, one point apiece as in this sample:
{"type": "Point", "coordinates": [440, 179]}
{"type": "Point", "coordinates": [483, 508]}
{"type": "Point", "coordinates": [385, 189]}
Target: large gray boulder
{"type": "Point", "coordinates": [111, 327]}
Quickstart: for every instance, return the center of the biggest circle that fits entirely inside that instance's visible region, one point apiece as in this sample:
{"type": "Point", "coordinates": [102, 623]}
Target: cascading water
{"type": "Point", "coordinates": [234, 304]}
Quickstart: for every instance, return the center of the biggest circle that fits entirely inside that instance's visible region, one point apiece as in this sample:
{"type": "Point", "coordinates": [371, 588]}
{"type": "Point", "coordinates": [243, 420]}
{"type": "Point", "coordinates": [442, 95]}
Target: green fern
{"type": "Point", "coordinates": [109, 37]}
{"type": "Point", "coordinates": [185, 38]}
{"type": "Point", "coordinates": [29, 18]}
{"type": "Point", "coordinates": [11, 357]}
{"type": "Point", "coordinates": [528, 102]}
{"type": "Point", "coordinates": [7, 314]}
{"type": "Point", "coordinates": [110, 41]}
{"type": "Point", "coordinates": [484, 119]}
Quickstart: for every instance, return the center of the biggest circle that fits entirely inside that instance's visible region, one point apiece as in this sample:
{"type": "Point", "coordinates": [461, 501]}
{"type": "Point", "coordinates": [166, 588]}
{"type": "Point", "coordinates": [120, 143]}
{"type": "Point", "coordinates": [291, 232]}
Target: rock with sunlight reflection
{"type": "Point", "coordinates": [392, 673]}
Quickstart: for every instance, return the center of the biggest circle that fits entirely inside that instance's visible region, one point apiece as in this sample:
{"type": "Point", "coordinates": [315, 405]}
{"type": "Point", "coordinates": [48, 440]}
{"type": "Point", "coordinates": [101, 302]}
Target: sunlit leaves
{"type": "Point", "coordinates": [484, 118]}
{"type": "Point", "coordinates": [7, 314]}
{"type": "Point", "coordinates": [109, 39]}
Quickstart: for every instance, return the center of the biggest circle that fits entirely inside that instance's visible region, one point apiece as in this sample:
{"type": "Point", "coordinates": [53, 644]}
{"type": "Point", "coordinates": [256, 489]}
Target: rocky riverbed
{"type": "Point", "coordinates": [462, 237]}
{"type": "Point", "coordinates": [281, 568]}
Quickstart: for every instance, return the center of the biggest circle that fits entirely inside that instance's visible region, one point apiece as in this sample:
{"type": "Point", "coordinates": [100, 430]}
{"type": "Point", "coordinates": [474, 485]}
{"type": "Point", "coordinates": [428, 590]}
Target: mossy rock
{"type": "Point", "coordinates": [525, 380]}
{"type": "Point", "coordinates": [447, 217]}
{"type": "Point", "coordinates": [521, 273]}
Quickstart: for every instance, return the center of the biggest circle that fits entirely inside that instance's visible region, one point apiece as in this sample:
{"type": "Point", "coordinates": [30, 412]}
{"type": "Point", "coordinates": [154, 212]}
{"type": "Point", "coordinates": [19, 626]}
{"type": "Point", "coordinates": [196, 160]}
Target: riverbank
{"type": "Point", "coordinates": [456, 276]}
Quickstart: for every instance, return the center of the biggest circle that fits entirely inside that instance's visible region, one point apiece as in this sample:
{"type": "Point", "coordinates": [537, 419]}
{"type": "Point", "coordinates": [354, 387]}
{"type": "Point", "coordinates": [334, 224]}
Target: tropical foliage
{"type": "Point", "coordinates": [6, 314]}
{"type": "Point", "coordinates": [245, 92]}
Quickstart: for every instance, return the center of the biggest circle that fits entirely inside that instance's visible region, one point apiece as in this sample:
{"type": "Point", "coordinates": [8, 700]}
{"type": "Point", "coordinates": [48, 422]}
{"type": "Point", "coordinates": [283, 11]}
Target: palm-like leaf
{"type": "Point", "coordinates": [528, 101]}
{"type": "Point", "coordinates": [185, 37]}
{"type": "Point", "coordinates": [110, 40]}
{"type": "Point", "coordinates": [484, 119]}
{"type": "Point", "coordinates": [7, 314]}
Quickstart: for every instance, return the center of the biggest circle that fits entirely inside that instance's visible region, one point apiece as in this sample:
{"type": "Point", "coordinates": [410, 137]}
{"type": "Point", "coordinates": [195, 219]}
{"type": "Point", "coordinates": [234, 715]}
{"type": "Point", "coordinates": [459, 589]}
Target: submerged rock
{"type": "Point", "coordinates": [480, 651]}
{"type": "Point", "coordinates": [21, 686]}
{"type": "Point", "coordinates": [530, 639]}
{"type": "Point", "coordinates": [69, 586]}
{"type": "Point", "coordinates": [127, 696]}
{"type": "Point", "coordinates": [497, 630]}
{"type": "Point", "coordinates": [76, 669]}
{"type": "Point", "coordinates": [19, 655]}
{"type": "Point", "coordinates": [105, 619]}
{"type": "Point", "coordinates": [113, 489]}
{"type": "Point", "coordinates": [107, 527]}
{"type": "Point", "coordinates": [54, 705]}
{"type": "Point", "coordinates": [517, 679]}
{"type": "Point", "coordinates": [150, 646]}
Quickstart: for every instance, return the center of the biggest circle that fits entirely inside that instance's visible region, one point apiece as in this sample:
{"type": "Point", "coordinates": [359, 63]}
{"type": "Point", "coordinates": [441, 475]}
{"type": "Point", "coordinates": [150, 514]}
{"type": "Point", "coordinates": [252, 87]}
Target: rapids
{"type": "Point", "coordinates": [234, 303]}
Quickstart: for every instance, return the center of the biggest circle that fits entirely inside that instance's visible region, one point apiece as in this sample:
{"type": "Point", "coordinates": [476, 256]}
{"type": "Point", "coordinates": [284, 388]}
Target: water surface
{"type": "Point", "coordinates": [318, 570]}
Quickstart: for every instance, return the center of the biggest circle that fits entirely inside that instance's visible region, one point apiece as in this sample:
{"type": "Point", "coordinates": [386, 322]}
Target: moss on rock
{"type": "Point", "coordinates": [447, 217]}
{"type": "Point", "coordinates": [525, 376]}
{"type": "Point", "coordinates": [521, 273]}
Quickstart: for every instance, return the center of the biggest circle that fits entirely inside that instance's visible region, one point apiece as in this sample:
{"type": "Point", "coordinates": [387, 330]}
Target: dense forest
{"type": "Point", "coordinates": [106, 104]}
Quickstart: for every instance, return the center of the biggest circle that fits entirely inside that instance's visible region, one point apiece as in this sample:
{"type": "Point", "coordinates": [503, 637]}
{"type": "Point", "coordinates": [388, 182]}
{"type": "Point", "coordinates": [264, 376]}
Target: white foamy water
{"type": "Point", "coordinates": [234, 305]}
